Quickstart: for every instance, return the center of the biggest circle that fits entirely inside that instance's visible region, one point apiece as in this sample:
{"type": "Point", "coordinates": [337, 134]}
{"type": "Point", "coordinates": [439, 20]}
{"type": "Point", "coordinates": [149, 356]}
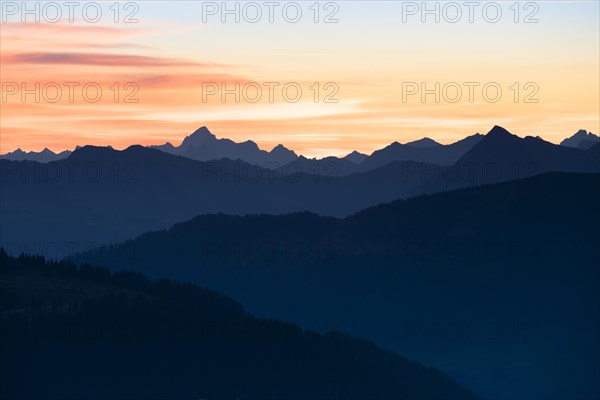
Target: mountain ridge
{"type": "Point", "coordinates": [97, 183]}
{"type": "Point", "coordinates": [174, 325]}
{"type": "Point", "coordinates": [202, 145]}
{"type": "Point", "coordinates": [504, 241]}
{"type": "Point", "coordinates": [582, 139]}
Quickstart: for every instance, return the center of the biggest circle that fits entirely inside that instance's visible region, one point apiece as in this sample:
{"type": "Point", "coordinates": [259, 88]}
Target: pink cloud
{"type": "Point", "coordinates": [104, 59]}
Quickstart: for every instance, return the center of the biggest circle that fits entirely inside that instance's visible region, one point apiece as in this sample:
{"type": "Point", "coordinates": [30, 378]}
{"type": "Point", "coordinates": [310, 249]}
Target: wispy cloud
{"type": "Point", "coordinates": [37, 29]}
{"type": "Point", "coordinates": [106, 59]}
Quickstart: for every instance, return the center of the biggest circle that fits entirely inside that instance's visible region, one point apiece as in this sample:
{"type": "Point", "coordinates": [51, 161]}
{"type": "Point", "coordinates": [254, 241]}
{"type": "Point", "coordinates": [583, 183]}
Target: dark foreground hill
{"type": "Point", "coordinates": [71, 333]}
{"type": "Point", "coordinates": [496, 284]}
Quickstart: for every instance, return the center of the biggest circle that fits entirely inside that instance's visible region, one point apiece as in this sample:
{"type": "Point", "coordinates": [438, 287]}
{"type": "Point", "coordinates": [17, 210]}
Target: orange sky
{"type": "Point", "coordinates": [166, 60]}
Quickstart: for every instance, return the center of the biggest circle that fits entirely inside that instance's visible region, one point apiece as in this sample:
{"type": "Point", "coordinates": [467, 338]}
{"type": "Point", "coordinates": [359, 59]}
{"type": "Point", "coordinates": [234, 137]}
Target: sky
{"type": "Point", "coordinates": [322, 78]}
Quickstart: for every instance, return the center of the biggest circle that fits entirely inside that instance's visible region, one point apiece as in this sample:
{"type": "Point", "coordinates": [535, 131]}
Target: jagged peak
{"type": "Point", "coordinates": [199, 136]}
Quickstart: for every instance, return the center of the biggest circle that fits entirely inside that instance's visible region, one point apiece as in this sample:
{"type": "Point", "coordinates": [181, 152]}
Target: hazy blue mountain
{"type": "Point", "coordinates": [356, 157]}
{"type": "Point", "coordinates": [280, 155]}
{"type": "Point", "coordinates": [326, 167]}
{"type": "Point", "coordinates": [581, 140]}
{"type": "Point", "coordinates": [100, 195]}
{"type": "Point", "coordinates": [202, 145]}
{"type": "Point", "coordinates": [43, 156]}
{"type": "Point", "coordinates": [121, 336]}
{"type": "Point", "coordinates": [495, 284]}
{"type": "Point", "coordinates": [587, 144]}
{"type": "Point", "coordinates": [424, 150]}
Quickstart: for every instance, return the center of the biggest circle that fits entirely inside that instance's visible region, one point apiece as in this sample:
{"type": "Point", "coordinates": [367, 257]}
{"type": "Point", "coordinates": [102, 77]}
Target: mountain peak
{"type": "Point", "coordinates": [425, 142]}
{"type": "Point", "coordinates": [356, 157]}
{"type": "Point", "coordinates": [203, 131]}
{"type": "Point", "coordinates": [578, 138]}
{"type": "Point", "coordinates": [282, 154]}
{"type": "Point", "coordinates": [498, 131]}
{"type": "Point", "coordinates": [581, 134]}
{"type": "Point", "coordinates": [199, 137]}
{"type": "Point", "coordinates": [279, 148]}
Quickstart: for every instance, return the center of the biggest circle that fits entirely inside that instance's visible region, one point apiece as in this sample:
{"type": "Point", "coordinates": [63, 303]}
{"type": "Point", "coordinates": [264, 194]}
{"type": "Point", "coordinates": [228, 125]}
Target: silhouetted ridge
{"type": "Point", "coordinates": [136, 149]}
{"type": "Point", "coordinates": [90, 152]}
{"type": "Point", "coordinates": [425, 142]}
{"type": "Point", "coordinates": [202, 145]}
{"type": "Point", "coordinates": [582, 140]}
{"type": "Point", "coordinates": [159, 189]}
{"type": "Point", "coordinates": [75, 331]}
{"type": "Point", "coordinates": [133, 154]}
{"type": "Point", "coordinates": [425, 151]}
{"type": "Point", "coordinates": [501, 156]}
{"type": "Point", "coordinates": [43, 156]}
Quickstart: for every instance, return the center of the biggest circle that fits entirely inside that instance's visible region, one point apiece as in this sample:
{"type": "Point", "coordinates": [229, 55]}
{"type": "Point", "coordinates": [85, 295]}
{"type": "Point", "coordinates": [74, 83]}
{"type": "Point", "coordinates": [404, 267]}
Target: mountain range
{"type": "Point", "coordinates": [479, 258]}
{"type": "Point", "coordinates": [43, 156]}
{"type": "Point", "coordinates": [484, 282]}
{"type": "Point", "coordinates": [98, 194]}
{"type": "Point", "coordinates": [501, 156]}
{"type": "Point", "coordinates": [202, 145]}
